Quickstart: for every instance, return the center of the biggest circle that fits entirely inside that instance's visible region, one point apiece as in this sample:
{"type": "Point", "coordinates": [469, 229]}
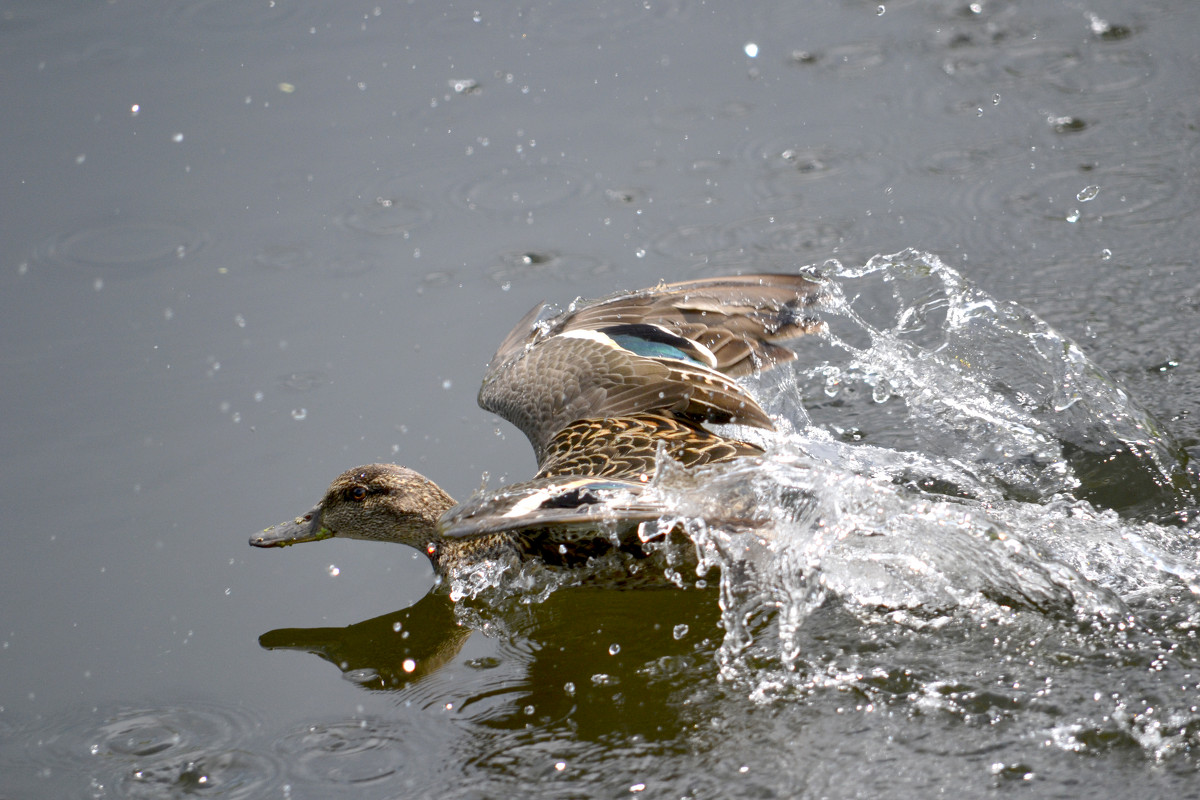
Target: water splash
{"type": "Point", "coordinates": [946, 464]}
{"type": "Point", "coordinates": [985, 386]}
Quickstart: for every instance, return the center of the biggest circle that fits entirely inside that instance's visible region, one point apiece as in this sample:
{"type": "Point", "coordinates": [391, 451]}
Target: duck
{"type": "Point", "coordinates": [604, 391]}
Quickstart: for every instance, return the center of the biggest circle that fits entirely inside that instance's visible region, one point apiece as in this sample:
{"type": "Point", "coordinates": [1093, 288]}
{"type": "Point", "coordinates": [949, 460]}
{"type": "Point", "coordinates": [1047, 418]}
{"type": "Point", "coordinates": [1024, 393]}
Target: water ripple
{"type": "Point", "coordinates": [1017, 205]}
{"type": "Point", "coordinates": [534, 265]}
{"type": "Point", "coordinates": [284, 257]}
{"type": "Point", "coordinates": [1135, 192]}
{"type": "Point", "coordinates": [792, 233]}
{"type": "Point", "coordinates": [514, 191]}
{"type": "Point", "coordinates": [122, 248]}
{"type": "Point", "coordinates": [394, 205]}
{"type": "Point", "coordinates": [368, 755]}
{"type": "Point", "coordinates": [158, 752]}
{"type": "Point", "coordinates": [786, 163]}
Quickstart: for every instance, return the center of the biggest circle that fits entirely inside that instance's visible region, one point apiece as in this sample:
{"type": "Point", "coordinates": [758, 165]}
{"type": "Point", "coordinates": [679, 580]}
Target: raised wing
{"type": "Point", "coordinates": [673, 351]}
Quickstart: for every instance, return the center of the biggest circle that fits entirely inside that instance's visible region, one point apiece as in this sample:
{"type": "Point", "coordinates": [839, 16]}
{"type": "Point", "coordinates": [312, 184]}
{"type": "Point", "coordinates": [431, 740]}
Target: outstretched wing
{"type": "Point", "coordinates": [673, 350]}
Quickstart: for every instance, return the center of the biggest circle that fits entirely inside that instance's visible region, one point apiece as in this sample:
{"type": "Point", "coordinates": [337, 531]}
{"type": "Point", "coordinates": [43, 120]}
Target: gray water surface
{"type": "Point", "coordinates": [244, 246]}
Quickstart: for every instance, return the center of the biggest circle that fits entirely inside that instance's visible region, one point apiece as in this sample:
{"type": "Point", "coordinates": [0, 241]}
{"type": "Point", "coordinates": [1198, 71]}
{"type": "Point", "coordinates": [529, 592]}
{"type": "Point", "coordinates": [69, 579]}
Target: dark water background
{"type": "Point", "coordinates": [245, 245]}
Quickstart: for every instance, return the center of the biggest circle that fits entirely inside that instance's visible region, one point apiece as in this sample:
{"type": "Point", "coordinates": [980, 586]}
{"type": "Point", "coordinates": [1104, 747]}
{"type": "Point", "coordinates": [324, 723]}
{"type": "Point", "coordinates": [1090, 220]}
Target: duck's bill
{"type": "Point", "coordinates": [306, 528]}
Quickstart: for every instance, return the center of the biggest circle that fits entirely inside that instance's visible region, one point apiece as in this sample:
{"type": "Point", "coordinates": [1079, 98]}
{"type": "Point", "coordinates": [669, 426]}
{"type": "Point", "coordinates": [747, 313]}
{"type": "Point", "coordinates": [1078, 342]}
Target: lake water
{"type": "Point", "coordinates": [246, 245]}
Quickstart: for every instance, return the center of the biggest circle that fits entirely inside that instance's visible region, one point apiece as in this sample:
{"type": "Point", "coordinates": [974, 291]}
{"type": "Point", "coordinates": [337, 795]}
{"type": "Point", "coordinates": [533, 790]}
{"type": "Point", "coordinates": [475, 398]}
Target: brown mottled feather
{"type": "Point", "coordinates": [626, 447]}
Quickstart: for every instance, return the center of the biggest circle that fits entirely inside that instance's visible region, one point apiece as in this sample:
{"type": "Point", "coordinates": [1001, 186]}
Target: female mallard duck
{"type": "Point", "coordinates": [600, 390]}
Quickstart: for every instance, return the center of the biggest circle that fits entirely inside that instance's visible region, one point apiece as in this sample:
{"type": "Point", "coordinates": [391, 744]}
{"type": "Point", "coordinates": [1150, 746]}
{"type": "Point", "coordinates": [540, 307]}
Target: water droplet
{"type": "Point", "coordinates": [559, 766]}
{"type": "Point", "coordinates": [258, 397]}
{"type": "Point", "coordinates": [408, 665]}
{"type": "Point", "coordinates": [751, 49]}
{"type": "Point", "coordinates": [528, 711]}
{"type": "Point", "coordinates": [640, 252]}
{"type": "Point", "coordinates": [334, 571]}
{"type": "Point", "coordinates": [240, 321]}
{"type": "Point", "coordinates": [613, 649]}
{"type": "Point", "coordinates": [1074, 215]}
{"type": "Point", "coordinates": [1105, 254]}
{"type": "Point", "coordinates": [679, 631]}
{"type": "Point", "coordinates": [79, 159]}
{"type": "Point", "coordinates": [569, 688]}
{"type": "Point", "coordinates": [1087, 193]}
{"type": "Point", "coordinates": [396, 626]}
{"type": "Point", "coordinates": [447, 383]}
{"type": "Point", "coordinates": [177, 138]}
{"type": "Point", "coordinates": [996, 99]}
{"type": "Point", "coordinates": [879, 11]}
{"type": "Point", "coordinates": [134, 110]}
{"type": "Point", "coordinates": [299, 414]}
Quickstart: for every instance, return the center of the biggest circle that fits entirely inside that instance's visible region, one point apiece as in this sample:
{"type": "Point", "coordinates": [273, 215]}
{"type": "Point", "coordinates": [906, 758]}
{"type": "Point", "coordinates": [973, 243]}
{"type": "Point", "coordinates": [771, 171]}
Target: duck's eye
{"type": "Point", "coordinates": [358, 493]}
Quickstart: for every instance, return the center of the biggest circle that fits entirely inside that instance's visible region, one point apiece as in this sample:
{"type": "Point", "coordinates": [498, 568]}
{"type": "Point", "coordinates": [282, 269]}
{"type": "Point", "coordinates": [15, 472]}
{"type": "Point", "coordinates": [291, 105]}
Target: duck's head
{"type": "Point", "coordinates": [378, 502]}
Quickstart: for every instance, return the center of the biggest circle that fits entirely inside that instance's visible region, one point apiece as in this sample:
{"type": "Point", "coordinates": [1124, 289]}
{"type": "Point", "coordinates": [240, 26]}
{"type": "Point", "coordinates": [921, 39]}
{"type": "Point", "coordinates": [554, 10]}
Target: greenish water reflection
{"type": "Point", "coordinates": [603, 661]}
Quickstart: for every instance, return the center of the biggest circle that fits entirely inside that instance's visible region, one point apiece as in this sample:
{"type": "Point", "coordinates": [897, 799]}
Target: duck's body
{"type": "Point", "coordinates": [601, 391]}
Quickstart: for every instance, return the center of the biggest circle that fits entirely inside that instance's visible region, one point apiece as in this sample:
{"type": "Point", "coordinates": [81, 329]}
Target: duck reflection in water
{"type": "Point", "coordinates": [609, 670]}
